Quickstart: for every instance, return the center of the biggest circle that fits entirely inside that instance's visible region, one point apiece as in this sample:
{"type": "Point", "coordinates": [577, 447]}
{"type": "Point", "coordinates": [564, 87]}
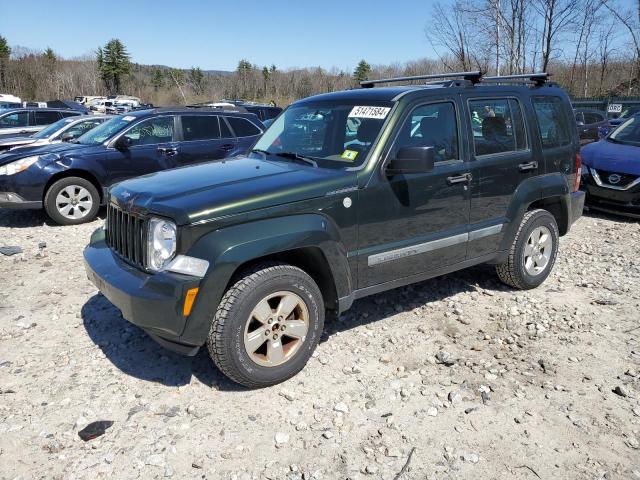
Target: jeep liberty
{"type": "Point", "coordinates": [346, 194]}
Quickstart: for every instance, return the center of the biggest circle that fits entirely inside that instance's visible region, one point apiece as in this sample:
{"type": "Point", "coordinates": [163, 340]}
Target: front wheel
{"type": "Point", "coordinates": [71, 201]}
{"type": "Point", "coordinates": [267, 325]}
{"type": "Point", "coordinates": [533, 252]}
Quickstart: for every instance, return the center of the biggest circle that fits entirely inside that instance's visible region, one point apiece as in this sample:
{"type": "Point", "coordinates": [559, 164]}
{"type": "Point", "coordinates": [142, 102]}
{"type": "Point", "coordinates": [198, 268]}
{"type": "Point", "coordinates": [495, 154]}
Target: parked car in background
{"type": "Point", "coordinates": [9, 101]}
{"type": "Point", "coordinates": [611, 171]}
{"type": "Point", "coordinates": [17, 122]}
{"type": "Point", "coordinates": [71, 180]}
{"type": "Point", "coordinates": [263, 112]}
{"type": "Point", "coordinates": [621, 112]}
{"type": "Point", "coordinates": [244, 257]}
{"type": "Point", "coordinates": [592, 124]}
{"type": "Point", "coordinates": [87, 99]}
{"type": "Point", "coordinates": [64, 130]}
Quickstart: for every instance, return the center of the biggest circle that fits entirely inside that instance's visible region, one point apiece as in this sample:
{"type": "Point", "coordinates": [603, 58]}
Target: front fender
{"type": "Point", "coordinates": [229, 248]}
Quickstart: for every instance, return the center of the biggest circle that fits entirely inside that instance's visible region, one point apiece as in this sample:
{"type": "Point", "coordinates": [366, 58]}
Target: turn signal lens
{"type": "Point", "coordinates": [189, 298]}
{"type": "Point", "coordinates": [576, 184]}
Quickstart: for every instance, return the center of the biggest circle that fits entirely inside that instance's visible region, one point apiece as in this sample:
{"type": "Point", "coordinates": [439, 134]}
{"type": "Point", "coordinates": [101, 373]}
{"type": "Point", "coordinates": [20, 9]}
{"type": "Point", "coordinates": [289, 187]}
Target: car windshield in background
{"type": "Point", "coordinates": [105, 131]}
{"type": "Point", "coordinates": [329, 134]}
{"type": "Point", "coordinates": [627, 133]}
{"type": "Point", "coordinates": [53, 128]}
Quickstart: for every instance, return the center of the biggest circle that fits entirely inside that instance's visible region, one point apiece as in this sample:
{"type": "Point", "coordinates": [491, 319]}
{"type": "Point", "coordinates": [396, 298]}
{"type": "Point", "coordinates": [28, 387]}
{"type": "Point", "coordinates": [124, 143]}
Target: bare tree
{"type": "Point", "coordinates": [557, 17]}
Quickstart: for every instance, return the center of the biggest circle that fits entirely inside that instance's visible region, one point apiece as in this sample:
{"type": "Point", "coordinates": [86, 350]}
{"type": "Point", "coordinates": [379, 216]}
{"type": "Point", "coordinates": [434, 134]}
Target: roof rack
{"type": "Point", "coordinates": [473, 77]}
{"type": "Point", "coordinates": [538, 79]}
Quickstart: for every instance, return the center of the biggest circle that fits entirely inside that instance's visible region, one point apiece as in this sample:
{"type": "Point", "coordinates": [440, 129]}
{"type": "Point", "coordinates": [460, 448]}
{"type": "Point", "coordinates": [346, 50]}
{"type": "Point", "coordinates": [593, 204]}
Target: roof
{"type": "Point", "coordinates": [40, 109]}
{"type": "Point", "coordinates": [190, 110]}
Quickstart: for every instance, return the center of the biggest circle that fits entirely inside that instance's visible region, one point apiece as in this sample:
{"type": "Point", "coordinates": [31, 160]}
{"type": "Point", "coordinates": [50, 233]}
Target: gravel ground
{"type": "Point", "coordinates": [456, 377]}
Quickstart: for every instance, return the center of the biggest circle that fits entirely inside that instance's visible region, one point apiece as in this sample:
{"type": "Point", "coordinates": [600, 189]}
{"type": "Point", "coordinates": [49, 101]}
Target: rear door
{"type": "Point", "coordinates": [152, 148]}
{"type": "Point", "coordinates": [16, 124]}
{"type": "Point", "coordinates": [201, 140]}
{"type": "Point", "coordinates": [502, 160]}
{"type": "Point", "coordinates": [245, 132]}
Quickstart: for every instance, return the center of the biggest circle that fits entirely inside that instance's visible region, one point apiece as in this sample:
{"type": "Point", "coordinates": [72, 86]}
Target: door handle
{"type": "Point", "coordinates": [526, 167]}
{"type": "Point", "coordinates": [464, 178]}
{"type": "Point", "coordinates": [169, 152]}
{"type": "Point", "coordinates": [227, 147]}
{"type": "Point", "coordinates": [24, 131]}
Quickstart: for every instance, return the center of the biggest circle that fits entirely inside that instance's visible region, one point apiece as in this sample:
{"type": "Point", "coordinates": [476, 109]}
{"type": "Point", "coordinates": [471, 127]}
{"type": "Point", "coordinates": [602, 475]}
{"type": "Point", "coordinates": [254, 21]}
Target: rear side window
{"type": "Point", "coordinates": [46, 118]}
{"type": "Point", "coordinates": [498, 126]}
{"type": "Point", "coordinates": [68, 114]}
{"type": "Point", "coordinates": [200, 127]}
{"type": "Point", "coordinates": [243, 127]}
{"type": "Point", "coordinates": [553, 123]}
{"type": "Point", "coordinates": [592, 117]}
{"type": "Point", "coordinates": [18, 119]}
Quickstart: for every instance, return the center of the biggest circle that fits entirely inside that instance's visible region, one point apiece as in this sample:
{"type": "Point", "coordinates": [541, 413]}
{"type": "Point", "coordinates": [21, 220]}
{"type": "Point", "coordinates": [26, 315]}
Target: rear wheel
{"type": "Point", "coordinates": [267, 325]}
{"type": "Point", "coordinates": [71, 201]}
{"type": "Point", "coordinates": [533, 252]}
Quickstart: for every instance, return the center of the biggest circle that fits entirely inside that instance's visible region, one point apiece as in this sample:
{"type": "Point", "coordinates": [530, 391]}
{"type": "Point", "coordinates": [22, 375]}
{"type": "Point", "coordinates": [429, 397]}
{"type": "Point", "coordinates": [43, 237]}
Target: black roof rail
{"type": "Point", "coordinates": [474, 77]}
{"type": "Point", "coordinates": [538, 79]}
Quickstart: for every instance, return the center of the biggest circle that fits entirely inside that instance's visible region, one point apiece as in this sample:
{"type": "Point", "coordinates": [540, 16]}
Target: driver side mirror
{"type": "Point", "coordinates": [67, 137]}
{"type": "Point", "coordinates": [123, 143]}
{"type": "Point", "coordinates": [412, 160]}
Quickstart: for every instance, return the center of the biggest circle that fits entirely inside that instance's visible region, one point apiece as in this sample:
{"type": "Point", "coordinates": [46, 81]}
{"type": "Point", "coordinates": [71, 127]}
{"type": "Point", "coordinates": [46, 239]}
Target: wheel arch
{"type": "Point", "coordinates": [74, 172]}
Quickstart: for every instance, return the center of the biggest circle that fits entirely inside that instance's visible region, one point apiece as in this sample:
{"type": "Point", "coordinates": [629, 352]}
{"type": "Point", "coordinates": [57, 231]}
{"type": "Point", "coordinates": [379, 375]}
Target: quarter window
{"type": "Point", "coordinates": [497, 126]}
{"type": "Point", "coordinates": [152, 131]}
{"type": "Point", "coordinates": [13, 120]}
{"type": "Point", "coordinates": [433, 125]}
{"type": "Point", "coordinates": [242, 127]}
{"type": "Point", "coordinates": [200, 127]}
{"type": "Point", "coordinates": [46, 118]}
{"type": "Point", "coordinates": [553, 122]}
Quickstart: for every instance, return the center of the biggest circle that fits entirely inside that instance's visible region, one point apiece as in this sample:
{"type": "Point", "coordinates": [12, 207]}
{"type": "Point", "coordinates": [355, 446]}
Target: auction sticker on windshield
{"type": "Point", "coordinates": [128, 118]}
{"type": "Point", "coordinates": [369, 112]}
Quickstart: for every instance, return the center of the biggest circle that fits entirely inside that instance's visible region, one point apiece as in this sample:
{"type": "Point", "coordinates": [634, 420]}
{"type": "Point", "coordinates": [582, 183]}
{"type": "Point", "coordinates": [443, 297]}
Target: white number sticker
{"type": "Point", "coordinates": [128, 118]}
{"type": "Point", "coordinates": [615, 108]}
{"type": "Point", "coordinates": [369, 112]}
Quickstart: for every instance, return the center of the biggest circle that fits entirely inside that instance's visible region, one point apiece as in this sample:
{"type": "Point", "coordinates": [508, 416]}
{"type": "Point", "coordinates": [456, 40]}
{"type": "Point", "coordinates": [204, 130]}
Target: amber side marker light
{"type": "Point", "coordinates": [189, 298]}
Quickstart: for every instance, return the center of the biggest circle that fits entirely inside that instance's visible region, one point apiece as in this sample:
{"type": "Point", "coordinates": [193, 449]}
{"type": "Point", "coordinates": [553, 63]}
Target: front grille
{"type": "Point", "coordinates": [126, 234]}
{"type": "Point", "coordinates": [625, 178]}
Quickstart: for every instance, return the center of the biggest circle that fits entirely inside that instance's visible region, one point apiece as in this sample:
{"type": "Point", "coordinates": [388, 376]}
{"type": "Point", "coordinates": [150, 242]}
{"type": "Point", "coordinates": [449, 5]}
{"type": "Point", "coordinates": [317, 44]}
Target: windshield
{"type": "Point", "coordinates": [627, 133]}
{"type": "Point", "coordinates": [331, 134]}
{"type": "Point", "coordinates": [53, 128]}
{"type": "Point", "coordinates": [629, 112]}
{"type": "Point", "coordinates": [105, 131]}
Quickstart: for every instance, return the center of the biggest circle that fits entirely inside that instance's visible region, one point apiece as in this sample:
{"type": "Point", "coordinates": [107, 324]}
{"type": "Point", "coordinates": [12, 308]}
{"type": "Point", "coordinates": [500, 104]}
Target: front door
{"type": "Point", "coordinates": [152, 147]}
{"type": "Point", "coordinates": [410, 224]}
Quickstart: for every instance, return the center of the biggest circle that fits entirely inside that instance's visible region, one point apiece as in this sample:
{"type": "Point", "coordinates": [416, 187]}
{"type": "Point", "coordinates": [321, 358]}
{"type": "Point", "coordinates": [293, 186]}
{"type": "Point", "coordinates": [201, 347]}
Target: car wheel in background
{"type": "Point", "coordinates": [267, 325]}
{"type": "Point", "coordinates": [71, 201]}
{"type": "Point", "coordinates": [533, 252]}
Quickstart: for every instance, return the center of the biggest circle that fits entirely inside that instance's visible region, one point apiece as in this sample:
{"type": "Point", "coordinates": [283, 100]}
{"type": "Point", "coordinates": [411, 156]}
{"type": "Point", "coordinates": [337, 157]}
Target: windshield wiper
{"type": "Point", "coordinates": [300, 158]}
{"type": "Point", "coordinates": [259, 150]}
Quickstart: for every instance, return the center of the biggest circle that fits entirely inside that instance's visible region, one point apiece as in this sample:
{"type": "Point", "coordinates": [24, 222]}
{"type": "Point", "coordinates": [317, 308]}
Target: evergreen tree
{"type": "Point", "coordinates": [5, 52]}
{"type": "Point", "coordinates": [157, 81]}
{"type": "Point", "coordinates": [362, 71]}
{"type": "Point", "coordinates": [196, 79]}
{"type": "Point", "coordinates": [113, 63]}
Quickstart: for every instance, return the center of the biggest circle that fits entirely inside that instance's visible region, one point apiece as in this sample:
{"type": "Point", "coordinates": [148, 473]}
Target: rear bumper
{"type": "Point", "coordinates": [153, 302]}
{"type": "Point", "coordinates": [577, 206]}
{"type": "Point", "coordinates": [16, 202]}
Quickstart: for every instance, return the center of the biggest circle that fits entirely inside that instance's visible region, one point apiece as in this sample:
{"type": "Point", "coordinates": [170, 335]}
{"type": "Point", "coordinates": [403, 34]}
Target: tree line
{"type": "Point", "coordinates": [592, 47]}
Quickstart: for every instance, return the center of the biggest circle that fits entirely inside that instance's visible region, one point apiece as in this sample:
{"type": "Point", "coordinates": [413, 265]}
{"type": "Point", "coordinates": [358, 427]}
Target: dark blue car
{"type": "Point", "coordinates": [611, 171]}
{"type": "Point", "coordinates": [70, 180]}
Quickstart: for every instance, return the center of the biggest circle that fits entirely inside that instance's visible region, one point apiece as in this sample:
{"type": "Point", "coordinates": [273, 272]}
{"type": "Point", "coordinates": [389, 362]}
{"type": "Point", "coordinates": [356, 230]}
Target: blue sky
{"type": "Point", "coordinates": [216, 34]}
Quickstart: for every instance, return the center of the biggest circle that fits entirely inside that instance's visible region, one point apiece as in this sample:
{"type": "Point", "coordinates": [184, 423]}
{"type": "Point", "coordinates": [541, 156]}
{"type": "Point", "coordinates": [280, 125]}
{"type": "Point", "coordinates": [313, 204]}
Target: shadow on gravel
{"type": "Point", "coordinates": [31, 218]}
{"type": "Point", "coordinates": [597, 214]}
{"type": "Point", "coordinates": [404, 299]}
{"type": "Point", "coordinates": [131, 350]}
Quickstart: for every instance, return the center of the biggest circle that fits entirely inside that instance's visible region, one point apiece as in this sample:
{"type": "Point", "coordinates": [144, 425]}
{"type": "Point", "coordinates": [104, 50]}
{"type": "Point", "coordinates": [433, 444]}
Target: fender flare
{"type": "Point", "coordinates": [229, 248]}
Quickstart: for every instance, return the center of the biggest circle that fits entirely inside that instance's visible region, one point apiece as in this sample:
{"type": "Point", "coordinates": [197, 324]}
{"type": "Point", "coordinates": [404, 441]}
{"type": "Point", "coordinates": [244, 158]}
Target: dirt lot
{"type": "Point", "coordinates": [477, 380]}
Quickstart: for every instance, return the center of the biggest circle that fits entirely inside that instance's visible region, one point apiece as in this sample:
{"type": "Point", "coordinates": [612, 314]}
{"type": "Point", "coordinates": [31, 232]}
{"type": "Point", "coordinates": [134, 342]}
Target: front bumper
{"type": "Point", "coordinates": [16, 202]}
{"type": "Point", "coordinates": [154, 302]}
{"type": "Point", "coordinates": [619, 202]}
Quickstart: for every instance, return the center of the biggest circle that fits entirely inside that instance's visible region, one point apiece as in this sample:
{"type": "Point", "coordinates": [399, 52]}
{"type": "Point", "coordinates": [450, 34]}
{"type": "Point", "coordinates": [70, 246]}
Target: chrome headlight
{"type": "Point", "coordinates": [18, 166]}
{"type": "Point", "coordinates": [161, 243]}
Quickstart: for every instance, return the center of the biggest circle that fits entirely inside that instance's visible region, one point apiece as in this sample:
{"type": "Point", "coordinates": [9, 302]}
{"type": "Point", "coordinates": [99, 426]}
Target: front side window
{"type": "Point", "coordinates": [151, 132]}
{"type": "Point", "coordinates": [628, 133]}
{"type": "Point", "coordinates": [332, 134]}
{"type": "Point", "coordinates": [433, 125]}
{"type": "Point", "coordinates": [243, 127]}
{"type": "Point", "coordinates": [46, 118]}
{"type": "Point", "coordinates": [53, 128]}
{"type": "Point", "coordinates": [14, 120]}
{"type": "Point", "coordinates": [498, 126]}
{"type": "Point", "coordinates": [81, 128]}
{"type": "Point", "coordinates": [552, 120]}
{"type": "Point", "coordinates": [200, 127]}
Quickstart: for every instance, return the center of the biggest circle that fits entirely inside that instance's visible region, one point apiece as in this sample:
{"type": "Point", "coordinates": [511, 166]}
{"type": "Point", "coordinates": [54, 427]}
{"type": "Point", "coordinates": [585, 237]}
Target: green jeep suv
{"type": "Point", "coordinates": [346, 194]}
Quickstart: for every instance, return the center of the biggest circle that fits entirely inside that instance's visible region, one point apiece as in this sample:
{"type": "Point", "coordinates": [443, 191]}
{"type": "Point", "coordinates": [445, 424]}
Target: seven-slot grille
{"type": "Point", "coordinates": [126, 234]}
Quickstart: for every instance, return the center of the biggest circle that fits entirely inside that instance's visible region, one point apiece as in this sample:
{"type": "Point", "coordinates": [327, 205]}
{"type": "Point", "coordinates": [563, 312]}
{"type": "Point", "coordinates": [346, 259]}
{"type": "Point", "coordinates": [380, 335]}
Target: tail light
{"type": "Point", "coordinates": [576, 183]}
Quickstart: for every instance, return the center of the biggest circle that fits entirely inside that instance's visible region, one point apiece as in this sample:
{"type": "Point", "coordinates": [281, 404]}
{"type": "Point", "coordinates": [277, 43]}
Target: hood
{"type": "Point", "coordinates": [9, 142]}
{"type": "Point", "coordinates": [221, 188]}
{"type": "Point", "coordinates": [50, 148]}
{"type": "Point", "coordinates": [612, 157]}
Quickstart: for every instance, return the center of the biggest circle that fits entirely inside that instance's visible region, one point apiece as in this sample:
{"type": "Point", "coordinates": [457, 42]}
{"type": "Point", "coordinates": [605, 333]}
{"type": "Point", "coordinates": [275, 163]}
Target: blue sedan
{"type": "Point", "coordinates": [611, 171]}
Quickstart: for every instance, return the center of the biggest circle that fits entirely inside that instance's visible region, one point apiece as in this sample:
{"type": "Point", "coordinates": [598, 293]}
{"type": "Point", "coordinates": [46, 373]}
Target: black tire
{"type": "Point", "coordinates": [513, 271]}
{"type": "Point", "coordinates": [51, 206]}
{"type": "Point", "coordinates": [227, 334]}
